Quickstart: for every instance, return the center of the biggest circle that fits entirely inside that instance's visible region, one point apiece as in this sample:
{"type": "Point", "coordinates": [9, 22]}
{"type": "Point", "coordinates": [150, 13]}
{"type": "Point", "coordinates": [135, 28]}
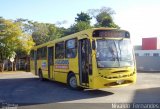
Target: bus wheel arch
{"type": "Point", "coordinates": [72, 80]}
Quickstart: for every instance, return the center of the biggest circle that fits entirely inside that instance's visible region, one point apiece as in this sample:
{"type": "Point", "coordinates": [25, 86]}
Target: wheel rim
{"type": "Point", "coordinates": [40, 76]}
{"type": "Point", "coordinates": [73, 82]}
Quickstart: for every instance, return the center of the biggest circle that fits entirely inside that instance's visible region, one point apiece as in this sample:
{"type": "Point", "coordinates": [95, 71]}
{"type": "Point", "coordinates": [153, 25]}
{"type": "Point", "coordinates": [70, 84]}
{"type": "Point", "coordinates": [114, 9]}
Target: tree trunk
{"type": "Point", "coordinates": [1, 67]}
{"type": "Point", "coordinates": [14, 65]}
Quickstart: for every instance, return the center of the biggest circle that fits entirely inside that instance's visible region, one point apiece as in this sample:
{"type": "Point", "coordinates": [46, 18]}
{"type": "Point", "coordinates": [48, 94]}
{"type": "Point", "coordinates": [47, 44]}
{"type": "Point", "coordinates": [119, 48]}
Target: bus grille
{"type": "Point", "coordinates": [115, 83]}
{"type": "Point", "coordinates": [118, 76]}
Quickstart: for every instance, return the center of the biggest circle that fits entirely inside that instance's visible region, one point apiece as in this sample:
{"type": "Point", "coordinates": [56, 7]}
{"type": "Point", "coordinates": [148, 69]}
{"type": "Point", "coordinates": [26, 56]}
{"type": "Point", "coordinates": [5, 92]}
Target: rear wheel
{"type": "Point", "coordinates": [40, 74]}
{"type": "Point", "coordinates": [72, 81]}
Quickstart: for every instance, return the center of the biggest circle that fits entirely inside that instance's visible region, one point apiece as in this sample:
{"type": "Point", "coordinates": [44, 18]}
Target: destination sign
{"type": "Point", "coordinates": [111, 33]}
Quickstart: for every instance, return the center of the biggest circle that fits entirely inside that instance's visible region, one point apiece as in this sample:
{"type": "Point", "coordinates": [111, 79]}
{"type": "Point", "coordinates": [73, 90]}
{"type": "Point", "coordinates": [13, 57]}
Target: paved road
{"type": "Point", "coordinates": [27, 91]}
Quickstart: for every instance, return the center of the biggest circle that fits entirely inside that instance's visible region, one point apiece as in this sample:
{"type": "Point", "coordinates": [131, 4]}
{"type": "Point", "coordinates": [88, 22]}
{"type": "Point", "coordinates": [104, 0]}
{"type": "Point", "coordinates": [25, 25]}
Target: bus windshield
{"type": "Point", "coordinates": [114, 53]}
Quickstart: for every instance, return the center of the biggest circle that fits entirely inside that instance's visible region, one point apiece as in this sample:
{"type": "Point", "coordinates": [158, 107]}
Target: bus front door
{"type": "Point", "coordinates": [50, 62]}
{"type": "Point", "coordinates": [84, 62]}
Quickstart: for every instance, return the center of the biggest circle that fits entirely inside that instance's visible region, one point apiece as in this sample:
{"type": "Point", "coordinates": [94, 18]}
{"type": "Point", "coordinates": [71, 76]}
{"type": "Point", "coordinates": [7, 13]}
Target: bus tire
{"type": "Point", "coordinates": [72, 81]}
{"type": "Point", "coordinates": [40, 74]}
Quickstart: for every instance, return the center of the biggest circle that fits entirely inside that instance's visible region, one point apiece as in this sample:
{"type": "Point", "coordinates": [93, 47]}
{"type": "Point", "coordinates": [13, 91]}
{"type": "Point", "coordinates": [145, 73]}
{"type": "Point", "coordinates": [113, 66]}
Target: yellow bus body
{"type": "Point", "coordinates": [100, 77]}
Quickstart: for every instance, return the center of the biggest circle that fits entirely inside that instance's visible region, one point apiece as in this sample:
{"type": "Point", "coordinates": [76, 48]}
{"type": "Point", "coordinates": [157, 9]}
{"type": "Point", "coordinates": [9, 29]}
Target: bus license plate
{"type": "Point", "coordinates": [120, 81]}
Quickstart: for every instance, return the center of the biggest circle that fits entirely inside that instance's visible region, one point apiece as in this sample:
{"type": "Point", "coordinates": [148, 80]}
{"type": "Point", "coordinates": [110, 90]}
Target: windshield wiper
{"type": "Point", "coordinates": [118, 58]}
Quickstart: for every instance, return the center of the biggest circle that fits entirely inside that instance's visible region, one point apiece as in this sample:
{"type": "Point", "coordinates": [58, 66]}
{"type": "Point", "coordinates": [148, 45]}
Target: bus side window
{"type": "Point", "coordinates": [38, 54]}
{"type": "Point", "coordinates": [71, 48]}
{"type": "Point", "coordinates": [59, 50]}
{"type": "Point", "coordinates": [42, 53]}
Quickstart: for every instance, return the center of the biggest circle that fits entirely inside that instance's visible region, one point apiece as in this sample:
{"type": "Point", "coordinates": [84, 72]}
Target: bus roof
{"type": "Point", "coordinates": [86, 33]}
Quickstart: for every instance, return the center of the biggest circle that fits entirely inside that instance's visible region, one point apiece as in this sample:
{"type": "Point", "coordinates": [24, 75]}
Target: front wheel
{"type": "Point", "coordinates": [72, 81]}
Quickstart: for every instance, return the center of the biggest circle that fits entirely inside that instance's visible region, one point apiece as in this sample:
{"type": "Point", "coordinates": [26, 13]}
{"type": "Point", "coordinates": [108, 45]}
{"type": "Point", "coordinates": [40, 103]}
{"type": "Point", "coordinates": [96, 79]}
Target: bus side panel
{"type": "Point", "coordinates": [32, 66]}
{"type": "Point", "coordinates": [61, 77]}
{"type": "Point", "coordinates": [61, 70]}
{"type": "Point", "coordinates": [42, 64]}
{"type": "Point", "coordinates": [73, 65]}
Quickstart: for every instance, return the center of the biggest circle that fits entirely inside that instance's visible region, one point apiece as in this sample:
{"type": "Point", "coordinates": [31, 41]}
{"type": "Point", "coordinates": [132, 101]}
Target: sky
{"type": "Point", "coordinates": [140, 17]}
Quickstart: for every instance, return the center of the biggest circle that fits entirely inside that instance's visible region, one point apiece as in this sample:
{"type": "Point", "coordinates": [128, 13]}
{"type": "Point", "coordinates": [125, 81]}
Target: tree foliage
{"type": "Point", "coordinates": [9, 35]}
{"type": "Point", "coordinates": [103, 17]}
{"type": "Point", "coordinates": [83, 17]}
{"type": "Point", "coordinates": [12, 38]}
{"type": "Point", "coordinates": [82, 23]}
{"type": "Point", "coordinates": [41, 32]}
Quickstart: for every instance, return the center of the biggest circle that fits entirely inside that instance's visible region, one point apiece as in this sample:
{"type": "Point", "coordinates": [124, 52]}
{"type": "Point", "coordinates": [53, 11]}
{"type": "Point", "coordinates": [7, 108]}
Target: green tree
{"type": "Point", "coordinates": [9, 34]}
{"type": "Point", "coordinates": [44, 32]}
{"type": "Point", "coordinates": [82, 23]}
{"type": "Point", "coordinates": [11, 39]}
{"type": "Point", "coordinates": [83, 17]}
{"type": "Point", "coordinates": [103, 17]}
{"type": "Point", "coordinates": [77, 27]}
{"type": "Point", "coordinates": [41, 32]}
{"type": "Point", "coordinates": [26, 25]}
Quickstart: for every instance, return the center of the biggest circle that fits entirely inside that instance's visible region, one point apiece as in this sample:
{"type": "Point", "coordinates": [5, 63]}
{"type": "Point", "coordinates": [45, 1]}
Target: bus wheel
{"type": "Point", "coordinates": [40, 74]}
{"type": "Point", "coordinates": [72, 81]}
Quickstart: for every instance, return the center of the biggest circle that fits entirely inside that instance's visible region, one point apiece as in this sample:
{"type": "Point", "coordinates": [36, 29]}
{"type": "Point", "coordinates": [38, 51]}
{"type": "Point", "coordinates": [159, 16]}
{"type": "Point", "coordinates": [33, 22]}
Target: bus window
{"type": "Point", "coordinates": [42, 53]}
{"type": "Point", "coordinates": [59, 50]}
{"type": "Point", "coordinates": [71, 49]}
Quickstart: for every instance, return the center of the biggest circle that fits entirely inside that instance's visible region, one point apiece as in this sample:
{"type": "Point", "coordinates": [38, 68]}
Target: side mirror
{"type": "Point", "coordinates": [93, 45]}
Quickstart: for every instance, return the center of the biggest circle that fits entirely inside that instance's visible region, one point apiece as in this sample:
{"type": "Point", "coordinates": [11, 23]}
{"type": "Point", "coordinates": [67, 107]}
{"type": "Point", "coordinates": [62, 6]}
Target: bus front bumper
{"type": "Point", "coordinates": [101, 82]}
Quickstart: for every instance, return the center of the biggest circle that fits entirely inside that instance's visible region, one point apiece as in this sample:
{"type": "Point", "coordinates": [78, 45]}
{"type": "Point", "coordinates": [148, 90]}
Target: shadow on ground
{"type": "Point", "coordinates": [149, 95]}
{"type": "Point", "coordinates": [29, 91]}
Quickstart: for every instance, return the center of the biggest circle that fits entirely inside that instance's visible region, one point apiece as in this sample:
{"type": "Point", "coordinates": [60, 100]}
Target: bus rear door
{"type": "Point", "coordinates": [50, 62]}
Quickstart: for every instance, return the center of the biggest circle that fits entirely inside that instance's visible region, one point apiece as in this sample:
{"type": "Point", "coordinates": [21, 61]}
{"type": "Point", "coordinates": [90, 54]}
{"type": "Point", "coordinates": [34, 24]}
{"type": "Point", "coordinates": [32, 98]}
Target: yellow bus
{"type": "Point", "coordinates": [93, 58]}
